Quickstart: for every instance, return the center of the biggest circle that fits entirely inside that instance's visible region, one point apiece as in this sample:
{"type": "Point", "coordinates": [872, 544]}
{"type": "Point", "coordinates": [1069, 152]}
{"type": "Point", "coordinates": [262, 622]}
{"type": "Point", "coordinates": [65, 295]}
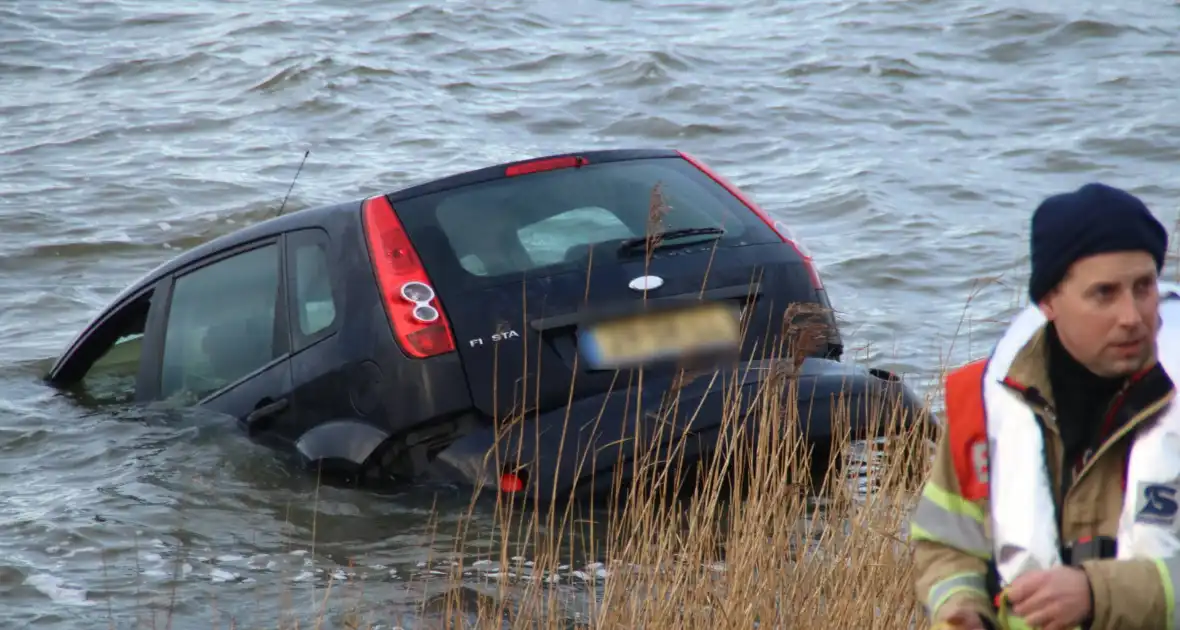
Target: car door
{"type": "Point", "coordinates": [225, 341]}
{"type": "Point", "coordinates": [325, 386]}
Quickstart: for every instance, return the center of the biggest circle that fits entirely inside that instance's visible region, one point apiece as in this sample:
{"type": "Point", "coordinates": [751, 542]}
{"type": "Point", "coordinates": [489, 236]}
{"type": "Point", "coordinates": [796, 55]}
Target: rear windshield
{"type": "Point", "coordinates": [549, 221]}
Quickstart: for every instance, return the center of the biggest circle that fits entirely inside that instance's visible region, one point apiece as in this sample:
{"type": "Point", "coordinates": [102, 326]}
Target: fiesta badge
{"type": "Point", "coordinates": [644, 283]}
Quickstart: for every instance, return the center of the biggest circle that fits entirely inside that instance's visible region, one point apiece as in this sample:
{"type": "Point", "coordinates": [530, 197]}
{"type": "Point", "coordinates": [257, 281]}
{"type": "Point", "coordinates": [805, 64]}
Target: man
{"type": "Point", "coordinates": [1056, 476]}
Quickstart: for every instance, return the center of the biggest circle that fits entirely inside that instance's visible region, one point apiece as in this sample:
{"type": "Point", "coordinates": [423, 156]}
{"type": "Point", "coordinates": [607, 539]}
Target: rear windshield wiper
{"type": "Point", "coordinates": [662, 238]}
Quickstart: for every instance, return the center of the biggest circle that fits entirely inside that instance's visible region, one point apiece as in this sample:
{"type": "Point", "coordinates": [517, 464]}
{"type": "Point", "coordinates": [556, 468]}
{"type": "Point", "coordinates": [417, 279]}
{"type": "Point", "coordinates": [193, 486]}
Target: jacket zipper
{"type": "Point", "coordinates": [1104, 435]}
{"type": "Point", "coordinates": [1131, 425]}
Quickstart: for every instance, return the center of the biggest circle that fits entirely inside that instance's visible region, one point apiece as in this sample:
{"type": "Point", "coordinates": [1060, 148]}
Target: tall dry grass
{"type": "Point", "coordinates": [735, 541]}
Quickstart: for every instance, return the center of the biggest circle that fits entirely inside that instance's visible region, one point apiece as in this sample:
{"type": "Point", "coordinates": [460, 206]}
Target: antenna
{"type": "Point", "coordinates": [293, 180]}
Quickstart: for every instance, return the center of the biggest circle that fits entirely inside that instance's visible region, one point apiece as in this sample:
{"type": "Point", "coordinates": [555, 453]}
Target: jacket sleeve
{"type": "Point", "coordinates": [1134, 593]}
{"type": "Point", "coordinates": [947, 532]}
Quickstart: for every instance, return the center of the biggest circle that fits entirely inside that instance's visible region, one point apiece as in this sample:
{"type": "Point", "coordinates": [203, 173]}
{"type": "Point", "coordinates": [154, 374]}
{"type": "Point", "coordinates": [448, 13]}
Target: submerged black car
{"type": "Point", "coordinates": [382, 338]}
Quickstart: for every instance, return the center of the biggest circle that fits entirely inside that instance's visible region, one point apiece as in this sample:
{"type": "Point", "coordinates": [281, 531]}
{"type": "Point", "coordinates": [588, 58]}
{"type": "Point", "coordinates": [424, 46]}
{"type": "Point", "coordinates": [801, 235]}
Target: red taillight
{"type": "Point", "coordinates": [779, 227]}
{"type": "Point", "coordinates": [410, 301]}
{"type": "Point", "coordinates": [549, 164]}
{"type": "Point", "coordinates": [511, 483]}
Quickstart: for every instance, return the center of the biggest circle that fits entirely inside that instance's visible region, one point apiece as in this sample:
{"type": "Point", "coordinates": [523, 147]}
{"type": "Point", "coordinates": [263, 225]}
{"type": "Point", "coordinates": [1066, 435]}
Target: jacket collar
{"type": "Point", "coordinates": [1029, 374]}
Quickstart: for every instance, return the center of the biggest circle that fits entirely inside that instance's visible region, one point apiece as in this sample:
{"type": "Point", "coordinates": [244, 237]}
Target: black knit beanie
{"type": "Point", "coordinates": [1093, 219]}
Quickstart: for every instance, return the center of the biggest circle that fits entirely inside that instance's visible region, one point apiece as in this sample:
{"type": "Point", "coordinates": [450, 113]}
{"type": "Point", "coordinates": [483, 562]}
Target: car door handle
{"type": "Point", "coordinates": [257, 418]}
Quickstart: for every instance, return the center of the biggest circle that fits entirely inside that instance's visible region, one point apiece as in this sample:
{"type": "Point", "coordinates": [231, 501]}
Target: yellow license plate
{"type": "Point", "coordinates": [659, 336]}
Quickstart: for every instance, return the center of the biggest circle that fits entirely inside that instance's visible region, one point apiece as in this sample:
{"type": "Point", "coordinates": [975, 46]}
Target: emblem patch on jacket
{"type": "Point", "coordinates": [1156, 503]}
{"type": "Point", "coordinates": [979, 462]}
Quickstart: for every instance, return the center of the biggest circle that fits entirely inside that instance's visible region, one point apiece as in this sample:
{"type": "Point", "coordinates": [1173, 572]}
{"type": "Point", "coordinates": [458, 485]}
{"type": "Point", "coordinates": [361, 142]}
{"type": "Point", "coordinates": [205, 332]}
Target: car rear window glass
{"type": "Point", "coordinates": [552, 220]}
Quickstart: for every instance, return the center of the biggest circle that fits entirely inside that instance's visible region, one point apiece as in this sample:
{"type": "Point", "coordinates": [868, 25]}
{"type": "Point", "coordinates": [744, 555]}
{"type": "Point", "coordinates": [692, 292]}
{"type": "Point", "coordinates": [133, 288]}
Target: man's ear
{"type": "Point", "coordinates": [1048, 303]}
{"type": "Point", "coordinates": [1046, 309]}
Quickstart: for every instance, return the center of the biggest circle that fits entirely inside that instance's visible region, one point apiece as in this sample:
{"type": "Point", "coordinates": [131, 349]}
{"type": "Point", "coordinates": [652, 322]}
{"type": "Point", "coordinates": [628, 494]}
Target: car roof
{"type": "Point", "coordinates": [316, 216]}
{"type": "Point", "coordinates": [497, 171]}
{"type": "Point", "coordinates": [308, 217]}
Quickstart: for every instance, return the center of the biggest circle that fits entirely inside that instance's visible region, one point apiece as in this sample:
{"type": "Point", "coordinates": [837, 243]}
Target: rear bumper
{"type": "Point", "coordinates": [575, 448]}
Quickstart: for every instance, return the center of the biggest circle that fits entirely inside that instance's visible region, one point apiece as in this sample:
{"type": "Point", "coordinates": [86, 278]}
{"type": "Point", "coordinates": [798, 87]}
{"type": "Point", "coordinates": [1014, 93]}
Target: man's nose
{"type": "Point", "coordinates": [1128, 311]}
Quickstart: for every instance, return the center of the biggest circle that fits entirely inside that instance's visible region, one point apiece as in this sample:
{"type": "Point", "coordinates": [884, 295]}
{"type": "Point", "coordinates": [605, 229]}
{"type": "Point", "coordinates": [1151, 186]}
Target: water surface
{"type": "Point", "coordinates": [906, 143]}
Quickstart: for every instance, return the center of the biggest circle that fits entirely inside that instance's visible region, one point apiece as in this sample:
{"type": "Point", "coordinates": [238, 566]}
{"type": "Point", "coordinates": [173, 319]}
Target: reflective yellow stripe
{"type": "Point", "coordinates": [1169, 571]}
{"type": "Point", "coordinates": [917, 532]}
{"type": "Point", "coordinates": [1008, 621]}
{"type": "Point", "coordinates": [932, 521]}
{"type": "Point", "coordinates": [958, 583]}
{"type": "Point", "coordinates": [952, 502]}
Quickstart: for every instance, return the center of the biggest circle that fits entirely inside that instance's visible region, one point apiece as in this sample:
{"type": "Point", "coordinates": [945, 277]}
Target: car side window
{"type": "Point", "coordinates": [313, 299]}
{"type": "Point", "coordinates": [221, 323]}
{"type": "Point", "coordinates": [555, 238]}
{"type": "Point", "coordinates": [113, 375]}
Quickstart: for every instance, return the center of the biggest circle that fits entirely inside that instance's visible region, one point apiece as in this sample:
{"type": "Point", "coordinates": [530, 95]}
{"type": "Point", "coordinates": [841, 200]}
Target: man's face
{"type": "Point", "coordinates": [1106, 311]}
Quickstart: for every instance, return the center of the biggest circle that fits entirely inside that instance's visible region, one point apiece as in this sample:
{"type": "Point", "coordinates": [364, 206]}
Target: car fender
{"type": "Point", "coordinates": [341, 441]}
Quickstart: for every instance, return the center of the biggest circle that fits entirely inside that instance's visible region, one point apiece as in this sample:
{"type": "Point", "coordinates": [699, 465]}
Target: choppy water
{"type": "Point", "coordinates": [906, 142]}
